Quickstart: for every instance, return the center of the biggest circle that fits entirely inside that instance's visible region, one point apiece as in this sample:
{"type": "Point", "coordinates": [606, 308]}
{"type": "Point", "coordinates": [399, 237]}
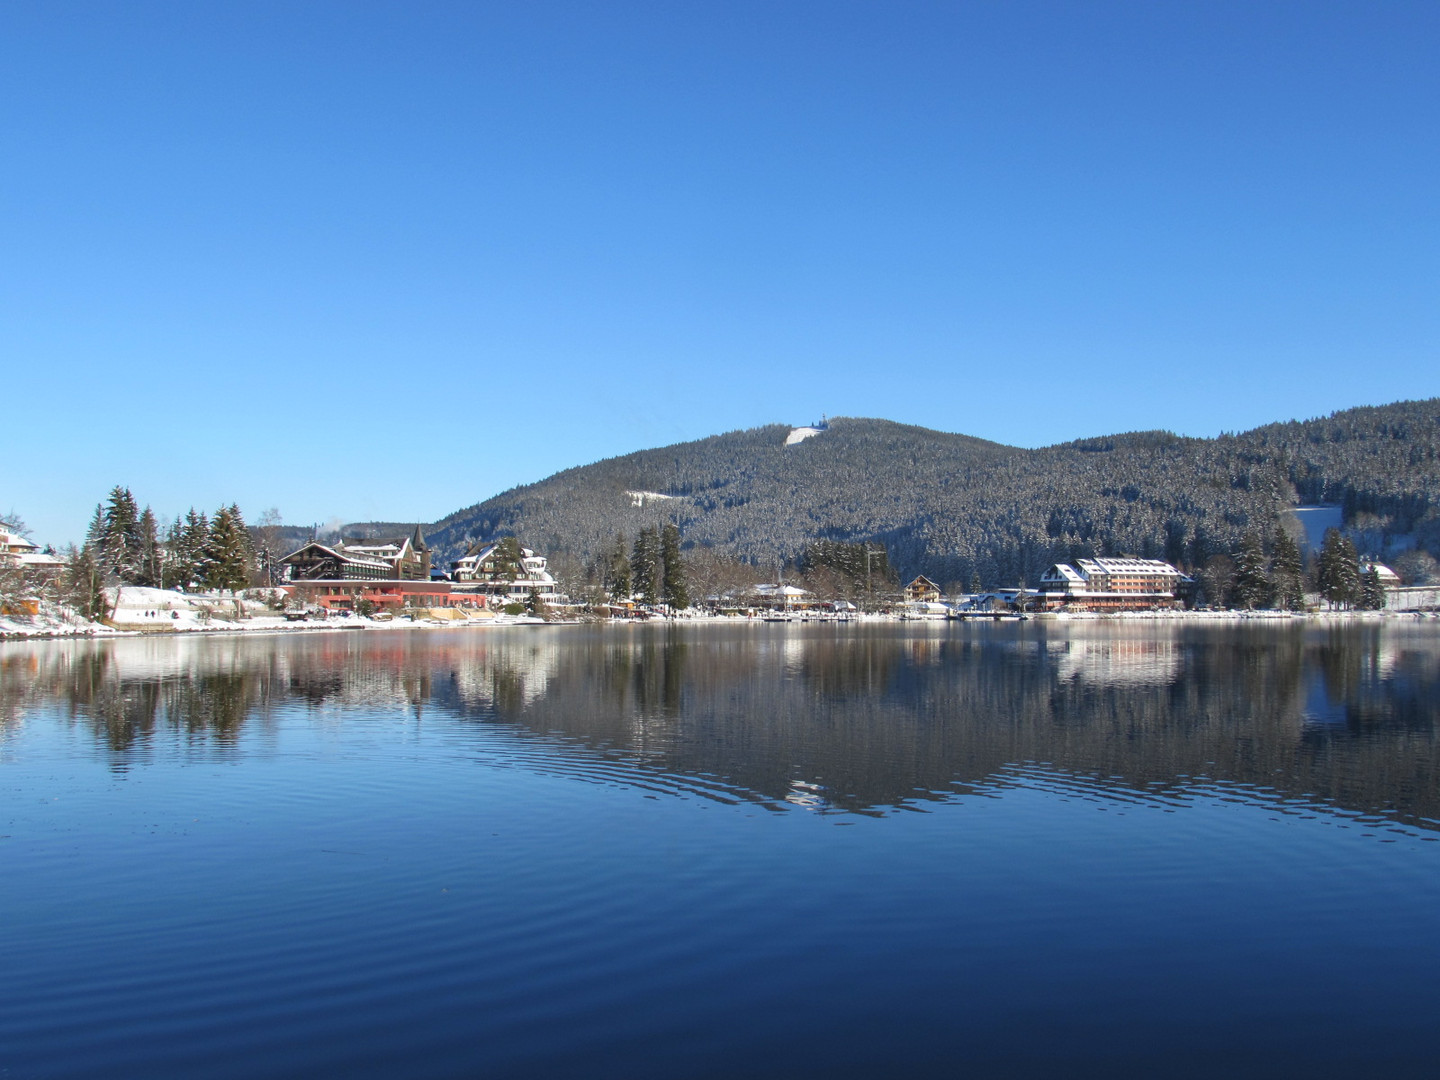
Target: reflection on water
{"type": "Point", "coordinates": [849, 720]}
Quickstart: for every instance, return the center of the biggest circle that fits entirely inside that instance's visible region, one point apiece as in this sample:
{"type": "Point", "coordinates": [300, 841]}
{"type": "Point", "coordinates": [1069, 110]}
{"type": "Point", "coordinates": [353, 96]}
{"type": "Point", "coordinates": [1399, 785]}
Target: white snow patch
{"type": "Point", "coordinates": [640, 498]}
{"type": "Point", "coordinates": [1315, 520]}
{"type": "Point", "coordinates": [800, 434]}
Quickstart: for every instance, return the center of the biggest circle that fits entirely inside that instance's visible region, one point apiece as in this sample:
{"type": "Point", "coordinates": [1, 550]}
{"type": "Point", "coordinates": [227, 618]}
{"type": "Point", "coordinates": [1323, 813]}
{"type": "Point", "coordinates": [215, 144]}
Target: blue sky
{"type": "Point", "coordinates": [385, 260]}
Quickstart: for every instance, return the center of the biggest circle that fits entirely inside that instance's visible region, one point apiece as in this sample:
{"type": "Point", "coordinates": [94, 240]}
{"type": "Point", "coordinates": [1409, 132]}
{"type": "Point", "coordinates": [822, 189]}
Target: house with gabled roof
{"type": "Point", "coordinates": [922, 591]}
{"type": "Point", "coordinates": [401, 558]}
{"type": "Point", "coordinates": [387, 571]}
{"type": "Point", "coordinates": [483, 571]}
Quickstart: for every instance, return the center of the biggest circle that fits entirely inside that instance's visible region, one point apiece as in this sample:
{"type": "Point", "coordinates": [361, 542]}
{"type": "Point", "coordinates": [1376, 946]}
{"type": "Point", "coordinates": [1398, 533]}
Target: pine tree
{"type": "Point", "coordinates": [227, 558]}
{"type": "Point", "coordinates": [617, 570]}
{"type": "Point", "coordinates": [1286, 572]}
{"type": "Point", "coordinates": [150, 567]}
{"type": "Point", "coordinates": [1339, 573]}
{"type": "Point", "coordinates": [1372, 590]}
{"type": "Point", "coordinates": [645, 567]}
{"type": "Point", "coordinates": [674, 589]}
{"type": "Point", "coordinates": [119, 551]}
{"type": "Point", "coordinates": [187, 552]}
{"type": "Point", "coordinates": [82, 584]}
{"type": "Point", "coordinates": [1251, 588]}
{"type": "Point", "coordinates": [509, 559]}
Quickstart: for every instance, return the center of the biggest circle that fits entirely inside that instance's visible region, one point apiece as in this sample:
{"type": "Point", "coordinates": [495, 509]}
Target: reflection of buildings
{"type": "Point", "coordinates": [859, 721]}
{"type": "Point", "coordinates": [1121, 661]}
{"type": "Point", "coordinates": [1112, 585]}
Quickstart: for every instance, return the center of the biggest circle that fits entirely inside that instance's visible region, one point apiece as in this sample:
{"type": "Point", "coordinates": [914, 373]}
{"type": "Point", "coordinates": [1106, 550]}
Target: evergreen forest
{"type": "Point", "coordinates": [963, 510]}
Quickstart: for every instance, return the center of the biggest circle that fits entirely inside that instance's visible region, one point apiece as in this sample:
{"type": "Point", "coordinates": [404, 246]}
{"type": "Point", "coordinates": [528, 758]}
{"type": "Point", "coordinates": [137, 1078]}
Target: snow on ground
{"type": "Point", "coordinates": [640, 498]}
{"type": "Point", "coordinates": [800, 434]}
{"type": "Point", "coordinates": [1315, 520]}
{"type": "Point", "coordinates": [52, 621]}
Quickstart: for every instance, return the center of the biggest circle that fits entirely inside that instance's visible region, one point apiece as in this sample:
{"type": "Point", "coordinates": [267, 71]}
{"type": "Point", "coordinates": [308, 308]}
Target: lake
{"type": "Point", "coordinates": [1021, 849]}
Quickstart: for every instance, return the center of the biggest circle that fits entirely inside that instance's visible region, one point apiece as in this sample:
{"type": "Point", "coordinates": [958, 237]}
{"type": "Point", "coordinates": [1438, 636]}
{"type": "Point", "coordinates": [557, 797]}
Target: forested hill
{"type": "Point", "coordinates": [950, 506]}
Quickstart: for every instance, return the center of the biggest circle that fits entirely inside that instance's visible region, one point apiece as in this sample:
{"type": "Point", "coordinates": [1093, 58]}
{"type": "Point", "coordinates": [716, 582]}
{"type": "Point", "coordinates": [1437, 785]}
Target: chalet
{"type": "Point", "coordinates": [1111, 585]}
{"type": "Point", "coordinates": [922, 591]}
{"type": "Point", "coordinates": [388, 572]}
{"type": "Point", "coordinates": [485, 571]}
{"type": "Point", "coordinates": [403, 558]}
{"type": "Point", "coordinates": [15, 550]}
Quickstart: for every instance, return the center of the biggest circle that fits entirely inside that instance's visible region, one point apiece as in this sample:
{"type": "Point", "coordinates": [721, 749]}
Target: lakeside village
{"type": "Point", "coordinates": [215, 573]}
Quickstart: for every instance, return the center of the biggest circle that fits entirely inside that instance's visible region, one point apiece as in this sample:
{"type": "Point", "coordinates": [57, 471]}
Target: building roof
{"type": "Point", "coordinates": [779, 590]}
{"type": "Point", "coordinates": [353, 556]}
{"type": "Point", "coordinates": [15, 543]}
{"type": "Point", "coordinates": [1125, 566]}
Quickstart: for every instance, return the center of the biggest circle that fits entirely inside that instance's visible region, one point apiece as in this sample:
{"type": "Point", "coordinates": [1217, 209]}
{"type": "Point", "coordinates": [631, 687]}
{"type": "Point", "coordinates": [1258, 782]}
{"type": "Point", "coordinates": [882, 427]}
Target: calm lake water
{"type": "Point", "coordinates": [694, 851]}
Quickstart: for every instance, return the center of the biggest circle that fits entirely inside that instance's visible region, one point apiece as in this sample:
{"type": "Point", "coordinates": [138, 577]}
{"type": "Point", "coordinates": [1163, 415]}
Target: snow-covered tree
{"type": "Point", "coordinates": [1339, 570]}
{"type": "Point", "coordinates": [617, 569]}
{"type": "Point", "coordinates": [120, 537]}
{"type": "Point", "coordinates": [227, 560]}
{"type": "Point", "coordinates": [674, 589]}
{"type": "Point", "coordinates": [1372, 591]}
{"type": "Point", "coordinates": [185, 549]}
{"type": "Point", "coordinates": [646, 569]}
{"type": "Point", "coordinates": [150, 566]}
{"type": "Point", "coordinates": [1251, 587]}
{"type": "Point", "coordinates": [82, 583]}
{"type": "Point", "coordinates": [1287, 572]}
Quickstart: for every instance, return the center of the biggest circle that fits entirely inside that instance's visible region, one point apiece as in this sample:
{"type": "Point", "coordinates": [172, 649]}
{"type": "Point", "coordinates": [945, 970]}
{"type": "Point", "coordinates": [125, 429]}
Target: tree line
{"type": "Point", "coordinates": [127, 545]}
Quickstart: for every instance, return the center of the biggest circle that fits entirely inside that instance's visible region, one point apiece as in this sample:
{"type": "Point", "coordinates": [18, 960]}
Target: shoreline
{"type": "Point", "coordinates": [54, 628]}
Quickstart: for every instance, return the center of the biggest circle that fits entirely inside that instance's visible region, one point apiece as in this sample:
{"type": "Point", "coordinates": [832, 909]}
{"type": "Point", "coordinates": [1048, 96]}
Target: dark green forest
{"type": "Point", "coordinates": [954, 507]}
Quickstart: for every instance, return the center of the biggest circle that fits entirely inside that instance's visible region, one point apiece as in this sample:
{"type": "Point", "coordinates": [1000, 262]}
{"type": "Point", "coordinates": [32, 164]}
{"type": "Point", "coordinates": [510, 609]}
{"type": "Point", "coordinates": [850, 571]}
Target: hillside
{"type": "Point", "coordinates": [950, 505]}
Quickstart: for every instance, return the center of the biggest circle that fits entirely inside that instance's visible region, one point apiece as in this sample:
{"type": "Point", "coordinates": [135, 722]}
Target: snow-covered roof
{"type": "Point", "coordinates": [1126, 566]}
{"type": "Point", "coordinates": [1063, 572]}
{"type": "Point", "coordinates": [38, 560]}
{"type": "Point", "coordinates": [343, 554]}
{"type": "Point", "coordinates": [14, 542]}
{"type": "Point", "coordinates": [779, 590]}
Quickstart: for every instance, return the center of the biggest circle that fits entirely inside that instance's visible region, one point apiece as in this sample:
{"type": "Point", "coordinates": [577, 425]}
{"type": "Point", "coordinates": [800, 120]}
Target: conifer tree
{"type": "Point", "coordinates": [646, 567]}
{"type": "Point", "coordinates": [119, 551]}
{"type": "Point", "coordinates": [82, 584]}
{"type": "Point", "coordinates": [617, 570]}
{"type": "Point", "coordinates": [150, 566]}
{"type": "Point", "coordinates": [1286, 572]}
{"type": "Point", "coordinates": [1339, 571]}
{"type": "Point", "coordinates": [1251, 588]}
{"type": "Point", "coordinates": [188, 553]}
{"type": "Point", "coordinates": [226, 562]}
{"type": "Point", "coordinates": [509, 559]}
{"type": "Point", "coordinates": [674, 588]}
{"type": "Point", "coordinates": [1372, 590]}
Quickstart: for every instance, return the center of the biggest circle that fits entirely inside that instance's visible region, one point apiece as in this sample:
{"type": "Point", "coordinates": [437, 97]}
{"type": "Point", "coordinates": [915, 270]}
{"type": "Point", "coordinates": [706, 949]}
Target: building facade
{"type": "Point", "coordinates": [487, 570]}
{"type": "Point", "coordinates": [1112, 585]}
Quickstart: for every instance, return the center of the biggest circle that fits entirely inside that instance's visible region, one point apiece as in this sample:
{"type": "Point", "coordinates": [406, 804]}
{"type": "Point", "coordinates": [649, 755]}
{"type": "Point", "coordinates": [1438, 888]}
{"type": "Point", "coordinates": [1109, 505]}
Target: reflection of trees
{"type": "Point", "coordinates": [859, 718]}
{"type": "Point", "coordinates": [877, 717]}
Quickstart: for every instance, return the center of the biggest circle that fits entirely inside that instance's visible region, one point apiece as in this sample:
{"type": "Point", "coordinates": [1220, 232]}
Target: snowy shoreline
{"type": "Point", "coordinates": [158, 621]}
